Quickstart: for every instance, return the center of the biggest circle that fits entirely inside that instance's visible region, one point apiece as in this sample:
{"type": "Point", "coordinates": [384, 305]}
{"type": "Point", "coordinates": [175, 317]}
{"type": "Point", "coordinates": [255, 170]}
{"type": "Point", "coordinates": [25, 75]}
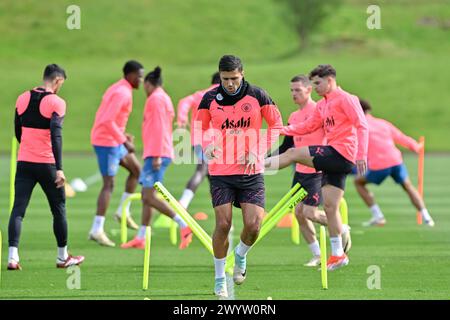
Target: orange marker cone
{"type": "Point", "coordinates": [200, 216]}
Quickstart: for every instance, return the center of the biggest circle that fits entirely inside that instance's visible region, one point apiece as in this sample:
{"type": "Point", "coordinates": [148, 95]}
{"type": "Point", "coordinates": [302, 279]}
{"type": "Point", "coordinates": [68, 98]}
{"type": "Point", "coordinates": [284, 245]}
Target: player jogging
{"type": "Point", "coordinates": [384, 160]}
{"type": "Point", "coordinates": [38, 127]}
{"type": "Point", "coordinates": [158, 154]}
{"type": "Point", "coordinates": [114, 147]}
{"type": "Point", "coordinates": [235, 155]}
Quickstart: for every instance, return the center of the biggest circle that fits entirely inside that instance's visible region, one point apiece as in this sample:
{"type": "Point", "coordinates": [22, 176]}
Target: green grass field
{"type": "Point", "coordinates": [413, 259]}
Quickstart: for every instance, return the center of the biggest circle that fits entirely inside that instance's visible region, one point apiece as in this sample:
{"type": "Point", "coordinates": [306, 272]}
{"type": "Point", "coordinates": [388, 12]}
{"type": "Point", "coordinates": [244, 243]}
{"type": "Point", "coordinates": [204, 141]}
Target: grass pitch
{"type": "Point", "coordinates": [413, 259]}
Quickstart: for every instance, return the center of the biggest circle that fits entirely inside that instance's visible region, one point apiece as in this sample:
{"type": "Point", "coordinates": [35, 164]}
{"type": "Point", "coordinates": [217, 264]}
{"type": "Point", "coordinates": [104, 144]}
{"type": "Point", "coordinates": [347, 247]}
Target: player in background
{"type": "Point", "coordinates": [186, 104]}
{"type": "Point", "coordinates": [158, 154]}
{"type": "Point", "coordinates": [346, 133]}
{"type": "Point", "coordinates": [38, 127]}
{"type": "Point", "coordinates": [307, 211]}
{"type": "Point", "coordinates": [384, 160]}
{"type": "Point", "coordinates": [235, 152]}
{"type": "Point", "coordinates": [114, 147]}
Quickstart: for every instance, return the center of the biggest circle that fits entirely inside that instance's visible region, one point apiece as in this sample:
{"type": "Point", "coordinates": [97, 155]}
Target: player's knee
{"type": "Point", "coordinates": [108, 185]}
{"type": "Point", "coordinates": [223, 226]}
{"type": "Point", "coordinates": [309, 213]}
{"type": "Point", "coordinates": [329, 206]}
{"type": "Point", "coordinates": [253, 228]}
{"type": "Point", "coordinates": [147, 199]}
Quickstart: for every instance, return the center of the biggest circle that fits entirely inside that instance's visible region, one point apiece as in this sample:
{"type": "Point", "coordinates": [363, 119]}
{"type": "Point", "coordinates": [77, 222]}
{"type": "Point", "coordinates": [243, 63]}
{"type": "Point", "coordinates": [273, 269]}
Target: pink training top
{"type": "Point", "coordinates": [383, 136]}
{"type": "Point", "coordinates": [341, 115]}
{"type": "Point", "coordinates": [236, 122]}
{"type": "Point", "coordinates": [314, 138]}
{"type": "Point", "coordinates": [157, 125]}
{"type": "Point", "coordinates": [191, 102]}
{"type": "Point", "coordinates": [35, 144]}
{"type": "Point", "coordinates": [112, 115]}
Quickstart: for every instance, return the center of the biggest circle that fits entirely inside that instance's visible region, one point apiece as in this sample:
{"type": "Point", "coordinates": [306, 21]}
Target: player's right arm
{"type": "Point", "coordinates": [184, 105]}
{"type": "Point", "coordinates": [204, 117]}
{"type": "Point", "coordinates": [17, 127]}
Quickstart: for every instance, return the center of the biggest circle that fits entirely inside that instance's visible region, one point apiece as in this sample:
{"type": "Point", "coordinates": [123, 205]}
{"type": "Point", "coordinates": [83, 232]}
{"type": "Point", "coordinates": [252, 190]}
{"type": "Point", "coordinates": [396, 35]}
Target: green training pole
{"type": "Point", "coordinates": [282, 201]}
{"type": "Point", "coordinates": [12, 172]}
{"type": "Point", "coordinates": [343, 209]}
{"type": "Point", "coordinates": [323, 257]}
{"type": "Point", "coordinates": [201, 234]}
{"type": "Point", "coordinates": [173, 232]}
{"type": "Point", "coordinates": [270, 223]}
{"type": "Point", "coordinates": [295, 229]}
{"type": "Point", "coordinates": [148, 242]}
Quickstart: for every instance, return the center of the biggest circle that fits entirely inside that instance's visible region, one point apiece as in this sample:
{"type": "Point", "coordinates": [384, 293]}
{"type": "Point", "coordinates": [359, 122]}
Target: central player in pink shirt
{"type": "Point", "coordinates": [309, 178]}
{"type": "Point", "coordinates": [235, 152]}
{"type": "Point", "coordinates": [192, 102]}
{"type": "Point", "coordinates": [346, 132]}
{"type": "Point", "coordinates": [114, 147]}
{"type": "Point", "coordinates": [384, 160]}
{"type": "Point", "coordinates": [158, 154]}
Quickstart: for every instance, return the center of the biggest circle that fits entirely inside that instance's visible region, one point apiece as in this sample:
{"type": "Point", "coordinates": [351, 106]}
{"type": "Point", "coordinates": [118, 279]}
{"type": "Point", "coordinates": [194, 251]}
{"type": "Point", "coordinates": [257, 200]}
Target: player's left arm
{"type": "Point", "coordinates": [56, 123]}
{"type": "Point", "coordinates": [404, 140]}
{"type": "Point", "coordinates": [352, 108]}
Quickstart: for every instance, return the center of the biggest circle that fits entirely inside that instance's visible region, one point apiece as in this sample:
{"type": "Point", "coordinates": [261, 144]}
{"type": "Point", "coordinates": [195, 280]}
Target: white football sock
{"type": "Point", "coordinates": [376, 212]}
{"type": "Point", "coordinates": [186, 198]}
{"type": "Point", "coordinates": [315, 248]}
{"type": "Point", "coordinates": [180, 221]}
{"type": "Point", "coordinates": [425, 214]}
{"type": "Point", "coordinates": [242, 249]}
{"type": "Point", "coordinates": [141, 232]}
{"type": "Point", "coordinates": [13, 254]}
{"type": "Point", "coordinates": [62, 253]}
{"type": "Point", "coordinates": [97, 226]}
{"type": "Point", "coordinates": [125, 195]}
{"type": "Point", "coordinates": [219, 267]}
{"type": "Point", "coordinates": [336, 246]}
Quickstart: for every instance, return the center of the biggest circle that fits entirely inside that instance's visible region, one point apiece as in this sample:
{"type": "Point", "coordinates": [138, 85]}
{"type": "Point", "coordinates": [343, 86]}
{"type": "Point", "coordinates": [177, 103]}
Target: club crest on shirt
{"type": "Point", "coordinates": [246, 107]}
{"type": "Point", "coordinates": [219, 97]}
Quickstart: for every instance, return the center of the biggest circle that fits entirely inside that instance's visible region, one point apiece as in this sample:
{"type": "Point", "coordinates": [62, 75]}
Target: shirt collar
{"type": "Point", "coordinates": [125, 82]}
{"type": "Point", "coordinates": [333, 93]}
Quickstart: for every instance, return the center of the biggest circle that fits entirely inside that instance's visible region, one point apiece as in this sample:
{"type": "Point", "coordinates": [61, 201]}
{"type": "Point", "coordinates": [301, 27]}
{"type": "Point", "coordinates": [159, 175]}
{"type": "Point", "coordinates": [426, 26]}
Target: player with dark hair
{"type": "Point", "coordinates": [235, 151]}
{"type": "Point", "coordinates": [38, 127]}
{"type": "Point", "coordinates": [309, 178]}
{"type": "Point", "coordinates": [346, 133]}
{"type": "Point", "coordinates": [158, 154]}
{"type": "Point", "coordinates": [114, 147]}
{"type": "Point", "coordinates": [192, 102]}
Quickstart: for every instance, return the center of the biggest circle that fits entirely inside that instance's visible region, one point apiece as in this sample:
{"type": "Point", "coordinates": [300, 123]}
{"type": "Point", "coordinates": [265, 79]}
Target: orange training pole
{"type": "Point", "coordinates": [420, 174]}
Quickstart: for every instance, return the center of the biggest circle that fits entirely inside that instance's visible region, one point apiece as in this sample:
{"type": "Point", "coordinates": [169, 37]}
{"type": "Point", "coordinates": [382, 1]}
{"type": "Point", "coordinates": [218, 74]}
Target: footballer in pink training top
{"type": "Point", "coordinates": [38, 127]}
{"type": "Point", "coordinates": [309, 178]}
{"type": "Point", "coordinates": [192, 102]}
{"type": "Point", "coordinates": [235, 152]}
{"type": "Point", "coordinates": [384, 160]}
{"type": "Point", "coordinates": [158, 154]}
{"type": "Point", "coordinates": [114, 147]}
{"type": "Point", "coordinates": [346, 133]}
